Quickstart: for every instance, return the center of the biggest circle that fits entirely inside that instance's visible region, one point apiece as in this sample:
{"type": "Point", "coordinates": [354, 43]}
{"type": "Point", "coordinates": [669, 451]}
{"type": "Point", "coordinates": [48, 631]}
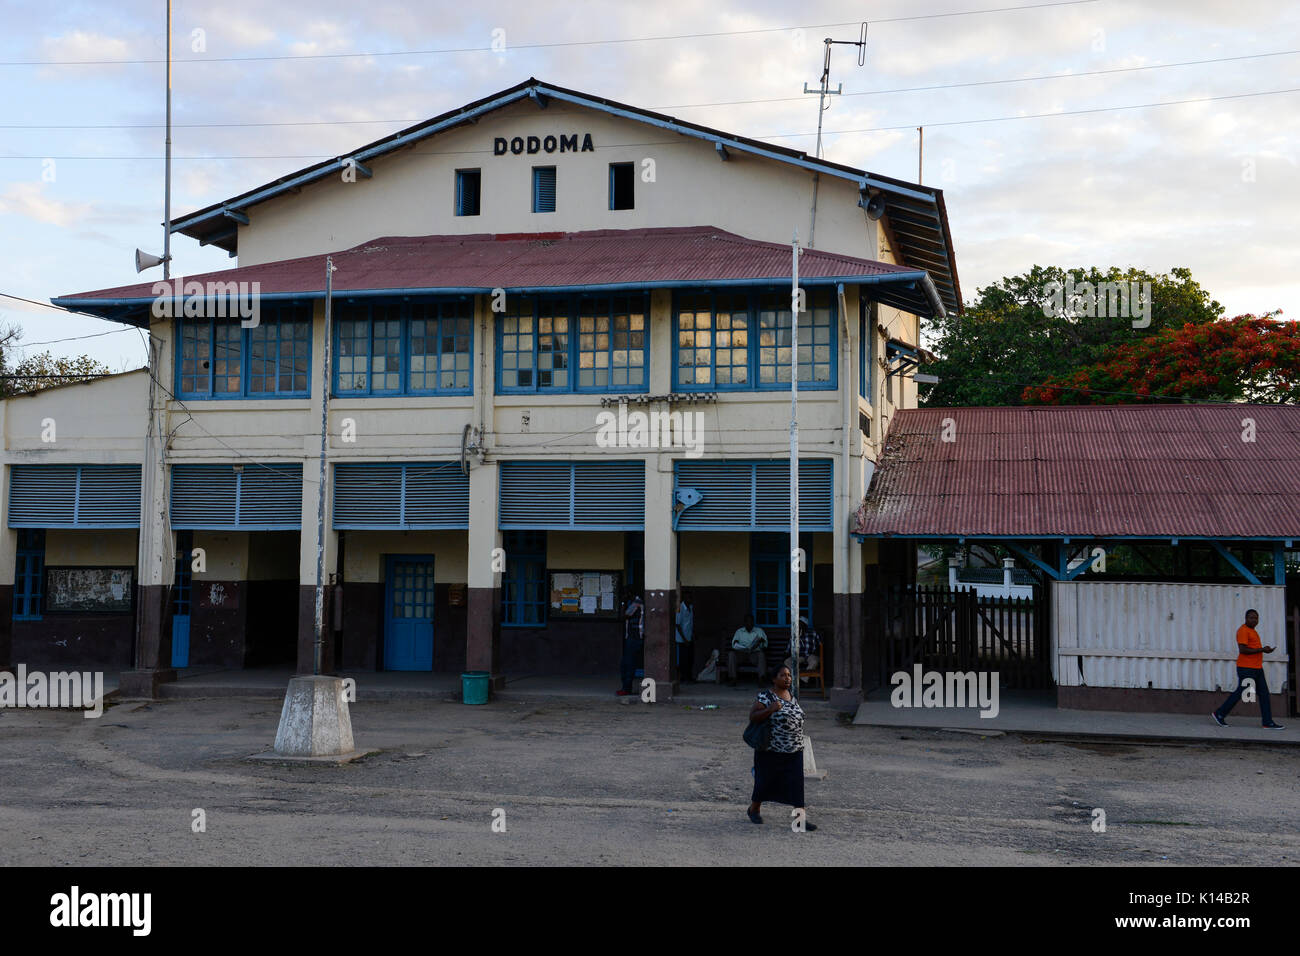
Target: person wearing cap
{"type": "Point", "coordinates": [810, 648]}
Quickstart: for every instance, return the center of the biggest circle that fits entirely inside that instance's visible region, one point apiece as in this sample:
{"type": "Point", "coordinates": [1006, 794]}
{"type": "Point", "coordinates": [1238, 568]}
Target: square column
{"type": "Point", "coordinates": [660, 575]}
{"type": "Point", "coordinates": [486, 561]}
{"type": "Point", "coordinates": [156, 564]}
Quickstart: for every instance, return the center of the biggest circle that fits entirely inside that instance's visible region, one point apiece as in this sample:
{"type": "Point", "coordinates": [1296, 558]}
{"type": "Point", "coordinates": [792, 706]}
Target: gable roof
{"type": "Point", "coordinates": [1140, 471]}
{"type": "Point", "coordinates": [917, 215]}
{"type": "Point", "coordinates": [599, 261]}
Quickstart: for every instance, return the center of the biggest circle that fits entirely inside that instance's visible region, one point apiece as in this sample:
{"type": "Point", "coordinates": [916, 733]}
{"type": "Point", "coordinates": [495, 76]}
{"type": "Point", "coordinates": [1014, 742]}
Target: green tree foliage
{"type": "Point", "coordinates": [1011, 338]}
{"type": "Point", "coordinates": [43, 370]}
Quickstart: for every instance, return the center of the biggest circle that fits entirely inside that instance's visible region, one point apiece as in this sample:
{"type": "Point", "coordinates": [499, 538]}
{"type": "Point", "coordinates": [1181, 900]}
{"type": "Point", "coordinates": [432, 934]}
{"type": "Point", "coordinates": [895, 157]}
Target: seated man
{"type": "Point", "coordinates": [810, 648]}
{"type": "Point", "coordinates": [751, 641]}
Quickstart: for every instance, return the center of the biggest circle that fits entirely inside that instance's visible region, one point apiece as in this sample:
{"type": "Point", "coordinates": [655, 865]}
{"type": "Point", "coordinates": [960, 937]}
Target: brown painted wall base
{"type": "Point", "coordinates": [75, 640]}
{"type": "Point", "coordinates": [1151, 701]}
{"type": "Point", "coordinates": [6, 625]}
{"type": "Point", "coordinates": [144, 683]}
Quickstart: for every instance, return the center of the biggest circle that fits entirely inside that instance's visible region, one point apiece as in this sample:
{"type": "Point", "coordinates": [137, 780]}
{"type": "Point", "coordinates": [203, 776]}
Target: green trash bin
{"type": "Point", "coordinates": [474, 687]}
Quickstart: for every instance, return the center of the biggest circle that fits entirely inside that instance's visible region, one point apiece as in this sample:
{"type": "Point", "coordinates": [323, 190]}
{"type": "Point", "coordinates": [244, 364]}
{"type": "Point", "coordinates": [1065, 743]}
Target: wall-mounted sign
{"type": "Point", "coordinates": [103, 590]}
{"type": "Point", "coordinates": [542, 144]}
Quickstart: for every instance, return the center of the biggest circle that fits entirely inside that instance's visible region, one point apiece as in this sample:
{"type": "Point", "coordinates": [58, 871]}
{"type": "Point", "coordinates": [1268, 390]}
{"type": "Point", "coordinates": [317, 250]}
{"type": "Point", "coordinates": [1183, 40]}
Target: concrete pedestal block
{"type": "Point", "coordinates": [143, 683]}
{"type": "Point", "coordinates": [314, 721]}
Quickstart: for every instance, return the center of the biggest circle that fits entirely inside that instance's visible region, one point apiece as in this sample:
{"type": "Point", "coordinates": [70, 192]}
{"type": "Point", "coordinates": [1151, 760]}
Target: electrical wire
{"type": "Point", "coordinates": [769, 136]}
{"type": "Point", "coordinates": [544, 46]}
{"type": "Point", "coordinates": [691, 106]}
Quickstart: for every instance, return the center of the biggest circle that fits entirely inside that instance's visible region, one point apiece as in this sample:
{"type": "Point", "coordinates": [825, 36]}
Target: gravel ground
{"type": "Point", "coordinates": [596, 781]}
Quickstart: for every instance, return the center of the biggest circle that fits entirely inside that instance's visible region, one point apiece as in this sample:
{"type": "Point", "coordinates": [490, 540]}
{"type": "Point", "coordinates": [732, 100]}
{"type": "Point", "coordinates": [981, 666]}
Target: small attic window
{"type": "Point", "coordinates": [622, 182]}
{"type": "Point", "coordinates": [468, 187]}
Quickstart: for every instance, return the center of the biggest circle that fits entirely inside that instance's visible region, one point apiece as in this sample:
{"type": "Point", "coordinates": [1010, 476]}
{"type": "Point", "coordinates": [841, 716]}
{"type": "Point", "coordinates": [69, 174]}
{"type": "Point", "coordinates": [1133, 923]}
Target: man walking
{"type": "Point", "coordinates": [633, 641]}
{"type": "Point", "coordinates": [1250, 666]}
{"type": "Point", "coordinates": [685, 639]}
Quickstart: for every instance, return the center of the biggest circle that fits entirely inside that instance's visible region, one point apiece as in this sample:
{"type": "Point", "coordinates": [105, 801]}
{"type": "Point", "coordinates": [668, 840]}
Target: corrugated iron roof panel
{"type": "Point", "coordinates": [1112, 471]}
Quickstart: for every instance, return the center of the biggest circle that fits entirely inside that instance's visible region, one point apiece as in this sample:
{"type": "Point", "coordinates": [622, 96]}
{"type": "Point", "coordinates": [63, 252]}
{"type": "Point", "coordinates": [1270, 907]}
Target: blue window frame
{"type": "Point", "coordinates": [543, 189]}
{"type": "Point", "coordinates": [611, 343]}
{"type": "Point", "coordinates": [29, 575]}
{"type": "Point", "coordinates": [218, 358]}
{"type": "Point", "coordinates": [770, 579]}
{"type": "Point", "coordinates": [408, 348]}
{"type": "Point", "coordinates": [733, 341]}
{"type": "Point", "coordinates": [468, 189]}
{"type": "Point", "coordinates": [184, 573]}
{"type": "Point", "coordinates": [590, 344]}
{"type": "Point", "coordinates": [622, 186]}
{"type": "Point", "coordinates": [524, 586]}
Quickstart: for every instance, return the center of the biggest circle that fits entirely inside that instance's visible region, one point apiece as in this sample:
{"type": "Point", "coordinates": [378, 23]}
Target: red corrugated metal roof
{"type": "Point", "coordinates": [606, 257]}
{"type": "Point", "coordinates": [1108, 471]}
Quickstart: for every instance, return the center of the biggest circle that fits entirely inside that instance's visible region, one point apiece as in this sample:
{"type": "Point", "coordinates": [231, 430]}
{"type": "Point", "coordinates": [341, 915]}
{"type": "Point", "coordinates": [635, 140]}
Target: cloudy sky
{"type": "Point", "coordinates": [1054, 175]}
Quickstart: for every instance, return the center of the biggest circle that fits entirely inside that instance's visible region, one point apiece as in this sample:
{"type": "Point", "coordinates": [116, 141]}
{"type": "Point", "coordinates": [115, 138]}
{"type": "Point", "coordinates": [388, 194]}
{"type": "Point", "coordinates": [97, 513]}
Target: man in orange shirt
{"type": "Point", "coordinates": [1250, 665]}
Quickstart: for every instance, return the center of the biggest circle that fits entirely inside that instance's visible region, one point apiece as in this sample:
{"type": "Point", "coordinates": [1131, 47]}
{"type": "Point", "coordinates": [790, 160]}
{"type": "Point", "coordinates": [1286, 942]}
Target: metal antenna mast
{"type": "Point", "coordinates": [823, 91]}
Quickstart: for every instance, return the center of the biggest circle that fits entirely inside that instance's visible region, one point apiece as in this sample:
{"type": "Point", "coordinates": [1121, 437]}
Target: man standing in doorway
{"type": "Point", "coordinates": [1250, 666]}
{"type": "Point", "coordinates": [633, 640]}
{"type": "Point", "coordinates": [685, 639]}
{"type": "Point", "coordinates": [752, 642]}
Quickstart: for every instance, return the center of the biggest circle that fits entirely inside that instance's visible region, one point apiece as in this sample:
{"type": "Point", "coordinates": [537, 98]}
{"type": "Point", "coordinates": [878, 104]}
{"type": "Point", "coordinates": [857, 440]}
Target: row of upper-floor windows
{"type": "Point", "coordinates": [722, 341]}
{"type": "Point", "coordinates": [469, 189]}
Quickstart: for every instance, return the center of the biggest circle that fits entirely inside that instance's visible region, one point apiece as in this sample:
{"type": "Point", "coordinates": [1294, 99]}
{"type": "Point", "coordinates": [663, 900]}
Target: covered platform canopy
{"type": "Point", "coordinates": [1054, 478]}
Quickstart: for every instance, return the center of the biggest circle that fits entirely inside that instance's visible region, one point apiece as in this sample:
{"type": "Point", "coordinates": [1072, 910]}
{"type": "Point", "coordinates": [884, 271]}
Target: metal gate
{"type": "Point", "coordinates": [956, 630]}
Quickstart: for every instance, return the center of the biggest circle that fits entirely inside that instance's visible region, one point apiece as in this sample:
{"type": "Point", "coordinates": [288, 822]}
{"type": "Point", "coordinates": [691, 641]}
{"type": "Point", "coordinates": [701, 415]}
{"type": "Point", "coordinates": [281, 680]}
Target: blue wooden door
{"type": "Point", "coordinates": [408, 613]}
{"type": "Point", "coordinates": [181, 600]}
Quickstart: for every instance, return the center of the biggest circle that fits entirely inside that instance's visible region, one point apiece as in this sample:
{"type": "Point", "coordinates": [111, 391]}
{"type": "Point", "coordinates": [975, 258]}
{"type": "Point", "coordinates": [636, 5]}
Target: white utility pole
{"type": "Point", "coordinates": [795, 556]}
{"type": "Point", "coordinates": [320, 496]}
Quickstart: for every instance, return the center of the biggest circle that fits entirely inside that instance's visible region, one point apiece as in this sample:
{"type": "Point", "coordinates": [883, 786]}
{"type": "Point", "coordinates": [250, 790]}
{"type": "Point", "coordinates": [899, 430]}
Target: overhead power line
{"type": "Point", "coordinates": [682, 106]}
{"type": "Point", "coordinates": [543, 46]}
{"type": "Point", "coordinates": [768, 136]}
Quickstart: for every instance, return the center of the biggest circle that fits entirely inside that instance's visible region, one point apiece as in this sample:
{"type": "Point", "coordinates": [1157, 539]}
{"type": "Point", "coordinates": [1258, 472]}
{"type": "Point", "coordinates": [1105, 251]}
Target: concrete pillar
{"type": "Point", "coordinates": [313, 489]}
{"type": "Point", "coordinates": [8, 567]}
{"type": "Point", "coordinates": [660, 573]}
{"type": "Point", "coordinates": [850, 485]}
{"type": "Point", "coordinates": [483, 620]}
{"type": "Point", "coordinates": [307, 557]}
{"type": "Point", "coordinates": [156, 566]}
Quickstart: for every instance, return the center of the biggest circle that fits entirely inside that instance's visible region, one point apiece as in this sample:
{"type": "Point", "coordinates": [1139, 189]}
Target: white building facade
{"type": "Point", "coordinates": [559, 369]}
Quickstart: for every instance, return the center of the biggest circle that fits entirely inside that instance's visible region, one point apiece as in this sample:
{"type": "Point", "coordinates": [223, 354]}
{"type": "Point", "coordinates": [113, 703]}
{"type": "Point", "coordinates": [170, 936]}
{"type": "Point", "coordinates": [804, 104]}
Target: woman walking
{"type": "Point", "coordinates": [778, 768]}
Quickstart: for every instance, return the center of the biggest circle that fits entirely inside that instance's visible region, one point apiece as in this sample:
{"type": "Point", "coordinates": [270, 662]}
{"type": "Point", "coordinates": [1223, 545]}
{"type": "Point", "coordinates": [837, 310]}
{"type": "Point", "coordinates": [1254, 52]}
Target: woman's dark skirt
{"type": "Point", "coordinates": [778, 778]}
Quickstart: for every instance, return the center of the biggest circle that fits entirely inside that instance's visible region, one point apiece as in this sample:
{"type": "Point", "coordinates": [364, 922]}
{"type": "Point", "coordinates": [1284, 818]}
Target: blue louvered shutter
{"type": "Point", "coordinates": [203, 496]}
{"type": "Point", "coordinates": [109, 496]}
{"type": "Point", "coordinates": [543, 189]}
{"type": "Point", "coordinates": [726, 495]}
{"type": "Point", "coordinates": [437, 496]}
{"type": "Point", "coordinates": [270, 497]}
{"type": "Point", "coordinates": [42, 496]}
{"type": "Point", "coordinates": [609, 495]}
{"type": "Point", "coordinates": [367, 496]}
{"type": "Point", "coordinates": [74, 496]}
{"type": "Point", "coordinates": [411, 495]}
{"type": "Point", "coordinates": [591, 495]}
{"type": "Point", "coordinates": [755, 495]}
{"type": "Point", "coordinates": [214, 497]}
{"type": "Point", "coordinates": [535, 494]}
{"type": "Point", "coordinates": [816, 495]}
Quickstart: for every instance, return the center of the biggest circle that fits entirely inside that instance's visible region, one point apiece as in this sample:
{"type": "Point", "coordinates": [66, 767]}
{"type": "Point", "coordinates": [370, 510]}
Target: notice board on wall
{"type": "Point", "coordinates": [590, 595]}
{"type": "Point", "coordinates": [102, 590]}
